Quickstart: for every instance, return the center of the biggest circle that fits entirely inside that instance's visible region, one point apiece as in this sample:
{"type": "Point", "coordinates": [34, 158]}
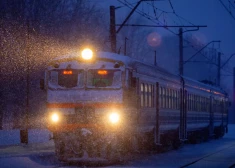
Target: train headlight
{"type": "Point", "coordinates": [87, 54]}
{"type": "Point", "coordinates": [55, 118]}
{"type": "Point", "coordinates": [114, 118]}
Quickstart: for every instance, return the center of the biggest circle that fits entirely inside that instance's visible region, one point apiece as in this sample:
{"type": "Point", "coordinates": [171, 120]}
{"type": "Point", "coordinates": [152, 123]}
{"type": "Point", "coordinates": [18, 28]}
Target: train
{"type": "Point", "coordinates": [102, 106]}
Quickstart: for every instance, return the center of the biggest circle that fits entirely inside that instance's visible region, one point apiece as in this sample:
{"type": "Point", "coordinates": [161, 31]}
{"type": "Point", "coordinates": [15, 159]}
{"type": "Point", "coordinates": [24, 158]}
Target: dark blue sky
{"type": "Point", "coordinates": [220, 24]}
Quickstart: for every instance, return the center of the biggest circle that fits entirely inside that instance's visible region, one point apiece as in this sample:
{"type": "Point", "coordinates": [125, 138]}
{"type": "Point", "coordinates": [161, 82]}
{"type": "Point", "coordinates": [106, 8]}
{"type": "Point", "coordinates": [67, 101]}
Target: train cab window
{"type": "Point", "coordinates": [53, 77]}
{"type": "Point", "coordinates": [71, 78]}
{"type": "Point", "coordinates": [104, 78]}
{"type": "Point", "coordinates": [66, 78]}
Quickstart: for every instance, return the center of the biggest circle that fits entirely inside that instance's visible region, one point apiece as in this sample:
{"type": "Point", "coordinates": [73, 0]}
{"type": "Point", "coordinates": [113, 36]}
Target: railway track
{"type": "Point", "coordinates": [214, 158]}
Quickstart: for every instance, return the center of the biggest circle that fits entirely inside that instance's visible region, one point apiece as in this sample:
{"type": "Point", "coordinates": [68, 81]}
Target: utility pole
{"type": "Point", "coordinates": [181, 66]}
{"type": "Point", "coordinates": [233, 111]}
{"type": "Point", "coordinates": [112, 29]}
{"type": "Point", "coordinates": [24, 132]}
{"type": "Point", "coordinates": [113, 32]}
{"type": "Point", "coordinates": [218, 68]}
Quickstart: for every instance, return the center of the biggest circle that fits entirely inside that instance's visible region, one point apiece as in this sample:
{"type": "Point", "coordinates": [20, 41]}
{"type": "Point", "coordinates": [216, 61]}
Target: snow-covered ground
{"type": "Point", "coordinates": [39, 153]}
{"type": "Point", "coordinates": [12, 137]}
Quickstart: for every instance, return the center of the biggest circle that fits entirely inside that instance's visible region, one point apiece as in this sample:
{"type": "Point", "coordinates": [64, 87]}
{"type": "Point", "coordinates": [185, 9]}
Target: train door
{"type": "Point", "coordinates": [183, 115]}
{"type": "Point", "coordinates": [212, 108]}
{"type": "Point", "coordinates": [157, 131]}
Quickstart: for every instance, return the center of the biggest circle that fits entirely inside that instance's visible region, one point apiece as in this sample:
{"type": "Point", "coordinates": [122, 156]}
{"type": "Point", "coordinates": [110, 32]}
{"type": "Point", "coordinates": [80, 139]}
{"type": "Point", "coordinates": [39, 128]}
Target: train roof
{"type": "Point", "coordinates": [126, 60]}
{"type": "Point", "coordinates": [132, 62]}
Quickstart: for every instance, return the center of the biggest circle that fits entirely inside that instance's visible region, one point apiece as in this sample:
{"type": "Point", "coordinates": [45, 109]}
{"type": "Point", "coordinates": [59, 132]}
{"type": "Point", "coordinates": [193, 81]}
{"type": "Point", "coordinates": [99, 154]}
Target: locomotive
{"type": "Point", "coordinates": [102, 105]}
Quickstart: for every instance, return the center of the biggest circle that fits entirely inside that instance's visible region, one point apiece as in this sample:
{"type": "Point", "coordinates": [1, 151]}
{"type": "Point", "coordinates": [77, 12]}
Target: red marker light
{"type": "Point", "coordinates": [67, 72]}
{"type": "Point", "coordinates": [102, 72]}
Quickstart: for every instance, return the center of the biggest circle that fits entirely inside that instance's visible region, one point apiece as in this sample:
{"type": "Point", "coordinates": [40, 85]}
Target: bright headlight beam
{"type": "Point", "coordinates": [87, 54]}
{"type": "Point", "coordinates": [55, 117]}
{"type": "Point", "coordinates": [114, 118]}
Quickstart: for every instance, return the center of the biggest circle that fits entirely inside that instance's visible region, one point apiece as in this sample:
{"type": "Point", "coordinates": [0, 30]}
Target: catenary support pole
{"type": "Point", "coordinates": [181, 70]}
{"type": "Point", "coordinates": [112, 29]}
{"type": "Point", "coordinates": [218, 68]}
{"type": "Point", "coordinates": [233, 111]}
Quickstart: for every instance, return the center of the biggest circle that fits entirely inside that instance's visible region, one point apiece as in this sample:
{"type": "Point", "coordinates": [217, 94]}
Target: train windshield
{"type": "Point", "coordinates": [103, 78]}
{"type": "Point", "coordinates": [64, 78]}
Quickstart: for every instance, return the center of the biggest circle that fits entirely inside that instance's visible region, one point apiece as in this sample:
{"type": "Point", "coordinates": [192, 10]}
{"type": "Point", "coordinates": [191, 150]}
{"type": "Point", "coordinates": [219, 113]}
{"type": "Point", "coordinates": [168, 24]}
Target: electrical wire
{"type": "Point", "coordinates": [231, 4]}
{"type": "Point", "coordinates": [229, 11]}
{"type": "Point", "coordinates": [163, 12]}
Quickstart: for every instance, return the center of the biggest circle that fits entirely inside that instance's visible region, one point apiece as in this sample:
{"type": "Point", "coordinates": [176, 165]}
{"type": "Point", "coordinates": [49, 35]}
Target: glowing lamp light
{"type": "Point", "coordinates": [66, 72]}
{"type": "Point", "coordinates": [114, 118]}
{"type": "Point", "coordinates": [87, 54]}
{"type": "Point", "coordinates": [102, 72]}
{"type": "Point", "coordinates": [154, 39]}
{"type": "Point", "coordinates": [55, 117]}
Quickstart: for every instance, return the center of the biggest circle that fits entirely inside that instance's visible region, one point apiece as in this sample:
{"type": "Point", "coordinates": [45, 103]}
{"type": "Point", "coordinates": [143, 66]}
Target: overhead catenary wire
{"type": "Point", "coordinates": [230, 3]}
{"type": "Point", "coordinates": [157, 21]}
{"type": "Point", "coordinates": [226, 8]}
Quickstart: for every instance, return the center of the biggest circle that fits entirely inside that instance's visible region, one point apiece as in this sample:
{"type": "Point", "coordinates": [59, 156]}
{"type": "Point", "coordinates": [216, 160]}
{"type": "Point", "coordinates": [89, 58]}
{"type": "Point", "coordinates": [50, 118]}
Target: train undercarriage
{"type": "Point", "coordinates": [99, 146]}
{"type": "Point", "coordinates": [87, 145]}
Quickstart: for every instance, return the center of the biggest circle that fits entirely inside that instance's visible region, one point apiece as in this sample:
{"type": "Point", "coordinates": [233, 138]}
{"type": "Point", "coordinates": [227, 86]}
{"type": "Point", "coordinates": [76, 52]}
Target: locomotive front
{"type": "Point", "coordinates": [85, 107]}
